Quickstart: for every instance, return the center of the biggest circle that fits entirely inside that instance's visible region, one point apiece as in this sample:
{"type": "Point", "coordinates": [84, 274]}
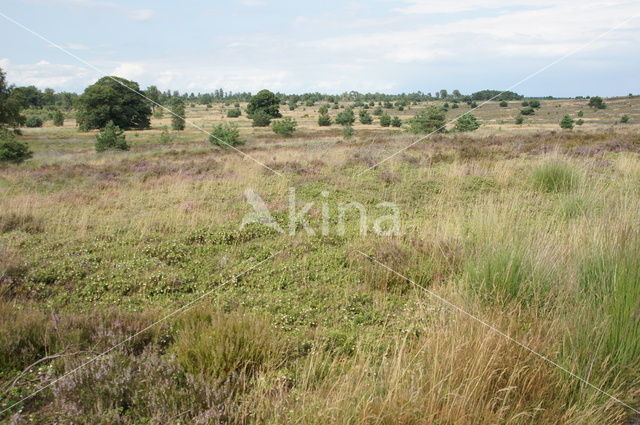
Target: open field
{"type": "Point", "coordinates": [530, 228]}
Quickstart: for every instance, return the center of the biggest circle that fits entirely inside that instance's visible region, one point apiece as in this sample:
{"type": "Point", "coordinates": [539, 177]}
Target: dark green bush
{"type": "Point", "coordinates": [467, 122]}
{"type": "Point", "coordinates": [33, 122]}
{"type": "Point", "coordinates": [566, 122]}
{"type": "Point", "coordinates": [528, 111]}
{"type": "Point", "coordinates": [58, 118]}
{"type": "Point", "coordinates": [225, 135]}
{"type": "Point", "coordinates": [365, 117]}
{"type": "Point", "coordinates": [345, 117]}
{"type": "Point", "coordinates": [111, 137]}
{"type": "Point", "coordinates": [234, 113]}
{"type": "Point", "coordinates": [324, 120]}
{"type": "Point", "coordinates": [396, 122]}
{"type": "Point", "coordinates": [12, 150]}
{"type": "Point", "coordinates": [624, 119]}
{"type": "Point", "coordinates": [504, 104]}
{"type": "Point", "coordinates": [385, 120]}
{"type": "Point", "coordinates": [260, 119]}
{"type": "Point", "coordinates": [284, 127]}
{"type": "Point", "coordinates": [429, 120]}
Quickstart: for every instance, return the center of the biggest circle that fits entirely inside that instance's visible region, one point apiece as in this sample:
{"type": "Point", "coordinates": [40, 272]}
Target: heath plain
{"type": "Point", "coordinates": [487, 274]}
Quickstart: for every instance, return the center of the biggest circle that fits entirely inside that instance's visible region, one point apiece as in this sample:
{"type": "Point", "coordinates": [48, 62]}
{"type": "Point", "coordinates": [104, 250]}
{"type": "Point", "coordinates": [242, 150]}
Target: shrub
{"type": "Point", "coordinates": [12, 150]}
{"type": "Point", "coordinates": [624, 119]}
{"type": "Point", "coordinates": [324, 120]}
{"type": "Point", "coordinates": [58, 118]}
{"type": "Point", "coordinates": [165, 136]}
{"type": "Point", "coordinates": [345, 117]}
{"type": "Point", "coordinates": [111, 137]}
{"type": "Point", "coordinates": [455, 106]}
{"type": "Point", "coordinates": [177, 114]}
{"type": "Point", "coordinates": [388, 105]}
{"type": "Point", "coordinates": [596, 102]}
{"type": "Point", "coordinates": [554, 177]}
{"type": "Point", "coordinates": [519, 119]}
{"type": "Point", "coordinates": [33, 122]}
{"type": "Point", "coordinates": [396, 122]}
{"type": "Point", "coordinates": [566, 122]}
{"type": "Point", "coordinates": [430, 119]}
{"type": "Point", "coordinates": [284, 127]}
{"type": "Point", "coordinates": [292, 106]}
{"type": "Point", "coordinates": [528, 111]}
{"type": "Point", "coordinates": [225, 134]}
{"type": "Point", "coordinates": [378, 111]}
{"type": "Point", "coordinates": [534, 103]}
{"type": "Point", "coordinates": [579, 121]}
{"type": "Point", "coordinates": [260, 119]}
{"type": "Point", "coordinates": [503, 104]}
{"type": "Point", "coordinates": [467, 122]}
{"type": "Point", "coordinates": [324, 109]}
{"type": "Point", "coordinates": [347, 131]}
{"type": "Point", "coordinates": [234, 113]}
{"type": "Point", "coordinates": [365, 117]}
{"type": "Point", "coordinates": [385, 120]}
{"type": "Point", "coordinates": [525, 103]}
{"type": "Point", "coordinates": [580, 114]}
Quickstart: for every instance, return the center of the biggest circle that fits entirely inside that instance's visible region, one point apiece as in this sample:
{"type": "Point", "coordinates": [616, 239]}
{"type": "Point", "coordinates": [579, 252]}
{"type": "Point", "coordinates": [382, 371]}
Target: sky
{"type": "Point", "coordinates": [329, 46]}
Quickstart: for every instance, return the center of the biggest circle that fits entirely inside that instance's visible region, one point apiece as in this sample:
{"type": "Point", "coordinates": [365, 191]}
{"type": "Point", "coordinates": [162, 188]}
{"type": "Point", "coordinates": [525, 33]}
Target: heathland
{"type": "Point", "coordinates": [530, 228]}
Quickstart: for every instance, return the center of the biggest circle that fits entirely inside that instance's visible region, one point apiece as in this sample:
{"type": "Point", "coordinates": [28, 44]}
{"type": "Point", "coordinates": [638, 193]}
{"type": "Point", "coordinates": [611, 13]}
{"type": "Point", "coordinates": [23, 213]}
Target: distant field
{"type": "Point", "coordinates": [530, 228]}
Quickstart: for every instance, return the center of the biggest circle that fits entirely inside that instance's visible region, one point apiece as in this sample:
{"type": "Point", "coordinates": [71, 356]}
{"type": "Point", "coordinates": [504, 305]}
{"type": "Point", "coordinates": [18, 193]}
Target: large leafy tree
{"type": "Point", "coordinates": [113, 99]}
{"type": "Point", "coordinates": [10, 105]}
{"type": "Point", "coordinates": [264, 101]}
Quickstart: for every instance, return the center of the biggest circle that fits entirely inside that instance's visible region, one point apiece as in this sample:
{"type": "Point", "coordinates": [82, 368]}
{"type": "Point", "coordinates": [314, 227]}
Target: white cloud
{"type": "Point", "coordinates": [141, 14]}
{"type": "Point", "coordinates": [129, 70]}
{"type": "Point", "coordinates": [102, 6]}
{"type": "Point", "coordinates": [44, 74]}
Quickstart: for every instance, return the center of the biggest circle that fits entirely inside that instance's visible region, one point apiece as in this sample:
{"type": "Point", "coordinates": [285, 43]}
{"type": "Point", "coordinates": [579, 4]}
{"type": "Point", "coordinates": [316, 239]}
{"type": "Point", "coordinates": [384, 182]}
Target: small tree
{"type": "Point", "coordinates": [12, 150]}
{"type": "Point", "coordinates": [504, 104]}
{"type": "Point", "coordinates": [345, 117]}
{"type": "Point", "coordinates": [234, 113]}
{"type": "Point", "coordinates": [324, 109]}
{"type": "Point", "coordinates": [267, 103]}
{"type": "Point", "coordinates": [365, 117]}
{"type": "Point", "coordinates": [467, 122]}
{"type": "Point", "coordinates": [519, 119]}
{"type": "Point", "coordinates": [58, 118]}
{"type": "Point", "coordinates": [579, 121]}
{"type": "Point", "coordinates": [324, 120]}
{"type": "Point", "coordinates": [225, 134]}
{"type": "Point", "coordinates": [378, 111]}
{"type": "Point", "coordinates": [596, 102]}
{"type": "Point", "coordinates": [580, 114]}
{"type": "Point", "coordinates": [33, 121]}
{"type": "Point", "coordinates": [347, 131]}
{"type": "Point", "coordinates": [260, 119]}
{"type": "Point", "coordinates": [111, 137]}
{"type": "Point", "coordinates": [566, 122]}
{"type": "Point", "coordinates": [528, 111]}
{"type": "Point", "coordinates": [624, 119]}
{"type": "Point", "coordinates": [429, 120]}
{"type": "Point", "coordinates": [455, 106]}
{"type": "Point", "coordinates": [396, 122]}
{"type": "Point", "coordinates": [177, 114]}
{"type": "Point", "coordinates": [525, 103]}
{"type": "Point", "coordinates": [165, 136]}
{"type": "Point", "coordinates": [534, 104]}
{"type": "Point", "coordinates": [284, 127]}
{"type": "Point", "coordinates": [385, 120]}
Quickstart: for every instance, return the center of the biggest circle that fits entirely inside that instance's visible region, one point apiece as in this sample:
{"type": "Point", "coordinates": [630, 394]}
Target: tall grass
{"type": "Point", "coordinates": [555, 177]}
